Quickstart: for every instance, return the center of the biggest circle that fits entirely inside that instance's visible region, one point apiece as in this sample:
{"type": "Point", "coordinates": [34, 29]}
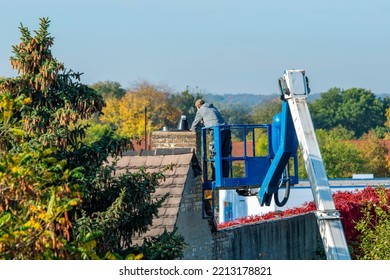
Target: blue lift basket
{"type": "Point", "coordinates": [254, 171]}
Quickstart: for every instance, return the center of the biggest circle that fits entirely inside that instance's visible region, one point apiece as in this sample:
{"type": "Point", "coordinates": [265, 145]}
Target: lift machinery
{"type": "Point", "coordinates": [275, 172]}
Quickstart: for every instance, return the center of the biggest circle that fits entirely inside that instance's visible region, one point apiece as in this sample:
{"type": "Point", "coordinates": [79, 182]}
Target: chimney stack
{"type": "Point", "coordinates": [183, 123]}
{"type": "Point", "coordinates": [178, 138]}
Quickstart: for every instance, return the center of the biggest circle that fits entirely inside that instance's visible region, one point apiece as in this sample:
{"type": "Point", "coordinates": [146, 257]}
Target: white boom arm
{"type": "Point", "coordinates": [294, 90]}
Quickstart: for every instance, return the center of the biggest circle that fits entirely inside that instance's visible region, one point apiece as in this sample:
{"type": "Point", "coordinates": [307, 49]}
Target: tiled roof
{"type": "Point", "coordinates": [238, 149]}
{"type": "Point", "coordinates": [174, 183]}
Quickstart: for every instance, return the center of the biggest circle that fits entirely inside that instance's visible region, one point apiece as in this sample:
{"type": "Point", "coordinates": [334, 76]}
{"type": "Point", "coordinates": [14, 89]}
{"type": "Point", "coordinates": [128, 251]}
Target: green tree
{"type": "Point", "coordinates": [341, 158]}
{"type": "Point", "coordinates": [324, 111]}
{"type": "Point", "coordinates": [361, 111]}
{"type": "Point", "coordinates": [185, 102]}
{"type": "Point", "coordinates": [236, 115]}
{"type": "Point", "coordinates": [264, 113]}
{"type": "Point", "coordinates": [59, 199]}
{"type": "Point", "coordinates": [356, 109]}
{"type": "Point", "coordinates": [109, 89]}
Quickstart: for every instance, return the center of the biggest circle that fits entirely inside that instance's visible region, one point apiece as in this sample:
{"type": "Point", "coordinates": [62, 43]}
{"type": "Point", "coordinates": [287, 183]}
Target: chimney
{"type": "Point", "coordinates": [180, 138]}
{"type": "Point", "coordinates": [183, 123]}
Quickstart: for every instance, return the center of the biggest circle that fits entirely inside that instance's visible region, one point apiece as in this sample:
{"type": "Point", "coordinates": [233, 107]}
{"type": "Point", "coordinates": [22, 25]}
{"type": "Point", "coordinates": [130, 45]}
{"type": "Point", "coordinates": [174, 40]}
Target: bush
{"type": "Point", "coordinates": [364, 216]}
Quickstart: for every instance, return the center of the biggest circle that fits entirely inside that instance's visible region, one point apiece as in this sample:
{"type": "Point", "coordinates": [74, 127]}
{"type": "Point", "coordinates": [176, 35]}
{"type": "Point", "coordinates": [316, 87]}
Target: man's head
{"type": "Point", "coordinates": [199, 103]}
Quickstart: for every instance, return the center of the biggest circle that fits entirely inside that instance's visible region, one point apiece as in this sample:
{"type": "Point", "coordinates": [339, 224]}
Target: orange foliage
{"type": "Point", "coordinates": [128, 113]}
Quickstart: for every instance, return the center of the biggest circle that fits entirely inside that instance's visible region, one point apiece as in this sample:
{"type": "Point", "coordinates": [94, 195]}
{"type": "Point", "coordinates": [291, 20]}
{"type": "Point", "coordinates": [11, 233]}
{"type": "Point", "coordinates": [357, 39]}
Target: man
{"type": "Point", "coordinates": [207, 115]}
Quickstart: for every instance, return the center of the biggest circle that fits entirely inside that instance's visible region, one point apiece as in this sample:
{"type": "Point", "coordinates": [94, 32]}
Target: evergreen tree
{"type": "Point", "coordinates": [59, 199]}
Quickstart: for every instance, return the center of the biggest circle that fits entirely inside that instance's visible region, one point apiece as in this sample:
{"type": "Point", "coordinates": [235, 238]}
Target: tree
{"type": "Point", "coordinates": [236, 115]}
{"type": "Point", "coordinates": [387, 122]}
{"type": "Point", "coordinates": [324, 111]}
{"type": "Point", "coordinates": [361, 111]}
{"type": "Point", "coordinates": [356, 109]}
{"type": "Point", "coordinates": [375, 153]}
{"type": "Point", "coordinates": [59, 199]}
{"type": "Point", "coordinates": [144, 100]}
{"type": "Point", "coordinates": [341, 158]}
{"type": "Point", "coordinates": [264, 113]}
{"type": "Point", "coordinates": [109, 89]}
{"type": "Point", "coordinates": [185, 102]}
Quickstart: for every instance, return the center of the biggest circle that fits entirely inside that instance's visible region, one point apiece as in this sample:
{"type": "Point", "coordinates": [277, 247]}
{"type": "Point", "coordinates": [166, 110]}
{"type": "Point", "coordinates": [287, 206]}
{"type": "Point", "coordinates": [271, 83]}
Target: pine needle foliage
{"type": "Point", "coordinates": [59, 197]}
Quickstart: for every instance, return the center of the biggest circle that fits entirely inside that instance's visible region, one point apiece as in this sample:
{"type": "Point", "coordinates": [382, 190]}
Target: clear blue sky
{"type": "Point", "coordinates": [219, 46]}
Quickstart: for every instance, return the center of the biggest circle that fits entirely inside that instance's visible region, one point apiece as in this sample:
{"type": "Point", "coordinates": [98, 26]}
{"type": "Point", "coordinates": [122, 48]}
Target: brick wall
{"type": "Point", "coordinates": [189, 223]}
{"type": "Point", "coordinates": [176, 139]}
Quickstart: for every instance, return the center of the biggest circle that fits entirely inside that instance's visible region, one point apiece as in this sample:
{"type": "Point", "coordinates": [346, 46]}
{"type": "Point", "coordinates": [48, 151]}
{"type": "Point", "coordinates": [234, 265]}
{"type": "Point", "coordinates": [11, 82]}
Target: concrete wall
{"type": "Point", "coordinates": [293, 238]}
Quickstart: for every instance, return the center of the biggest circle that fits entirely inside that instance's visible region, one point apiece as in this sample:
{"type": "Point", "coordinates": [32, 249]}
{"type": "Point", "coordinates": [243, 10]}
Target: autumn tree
{"type": "Point", "coordinates": [387, 122]}
{"type": "Point", "coordinates": [59, 199]}
{"type": "Point", "coordinates": [143, 100]}
{"type": "Point", "coordinates": [375, 152]}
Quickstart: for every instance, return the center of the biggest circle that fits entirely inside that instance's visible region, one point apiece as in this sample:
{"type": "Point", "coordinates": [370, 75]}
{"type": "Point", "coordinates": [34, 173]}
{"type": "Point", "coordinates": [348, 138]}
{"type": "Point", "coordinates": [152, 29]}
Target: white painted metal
{"type": "Point", "coordinates": [328, 217]}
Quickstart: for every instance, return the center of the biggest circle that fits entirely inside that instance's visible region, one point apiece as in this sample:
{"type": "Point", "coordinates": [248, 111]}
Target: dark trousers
{"type": "Point", "coordinates": [226, 146]}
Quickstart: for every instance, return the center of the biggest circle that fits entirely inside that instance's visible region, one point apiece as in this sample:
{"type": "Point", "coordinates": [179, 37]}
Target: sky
{"type": "Point", "coordinates": [212, 46]}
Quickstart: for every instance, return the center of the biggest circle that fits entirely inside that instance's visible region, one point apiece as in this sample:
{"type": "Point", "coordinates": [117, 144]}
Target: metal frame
{"type": "Point", "coordinates": [292, 125]}
{"type": "Point", "coordinates": [328, 217]}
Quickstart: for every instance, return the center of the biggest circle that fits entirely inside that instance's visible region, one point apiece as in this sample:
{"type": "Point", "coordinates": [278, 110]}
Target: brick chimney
{"type": "Point", "coordinates": [176, 139]}
{"type": "Point", "coordinates": [179, 139]}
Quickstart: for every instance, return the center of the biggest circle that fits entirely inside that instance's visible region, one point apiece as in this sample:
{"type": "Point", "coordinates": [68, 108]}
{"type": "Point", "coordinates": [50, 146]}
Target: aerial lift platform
{"type": "Point", "coordinates": [276, 171]}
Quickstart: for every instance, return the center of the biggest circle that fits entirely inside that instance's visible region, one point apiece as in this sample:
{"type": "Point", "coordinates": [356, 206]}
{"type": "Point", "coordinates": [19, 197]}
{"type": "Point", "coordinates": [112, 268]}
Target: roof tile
{"type": "Point", "coordinates": [123, 162]}
{"type": "Point", "coordinates": [137, 161]}
{"type": "Point", "coordinates": [167, 182]}
{"type": "Point", "coordinates": [182, 170]}
{"type": "Point", "coordinates": [173, 201]}
{"type": "Point", "coordinates": [170, 159]}
{"type": "Point", "coordinates": [171, 211]}
{"type": "Point", "coordinates": [179, 180]}
{"type": "Point", "coordinates": [185, 158]}
{"type": "Point", "coordinates": [174, 183]}
{"type": "Point", "coordinates": [153, 161]}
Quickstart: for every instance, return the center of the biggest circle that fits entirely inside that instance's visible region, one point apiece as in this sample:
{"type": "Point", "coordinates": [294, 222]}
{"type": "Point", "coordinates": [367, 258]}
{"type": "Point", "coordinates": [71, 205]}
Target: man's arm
{"type": "Point", "coordinates": [197, 121]}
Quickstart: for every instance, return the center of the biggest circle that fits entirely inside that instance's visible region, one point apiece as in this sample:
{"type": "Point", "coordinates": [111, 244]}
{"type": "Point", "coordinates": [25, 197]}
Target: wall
{"type": "Point", "coordinates": [293, 238]}
{"type": "Point", "coordinates": [176, 139]}
{"type": "Point", "coordinates": [190, 224]}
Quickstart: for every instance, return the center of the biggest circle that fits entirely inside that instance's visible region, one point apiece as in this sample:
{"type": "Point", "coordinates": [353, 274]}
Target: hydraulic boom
{"type": "Point", "coordinates": [295, 87]}
{"type": "Point", "coordinates": [265, 175]}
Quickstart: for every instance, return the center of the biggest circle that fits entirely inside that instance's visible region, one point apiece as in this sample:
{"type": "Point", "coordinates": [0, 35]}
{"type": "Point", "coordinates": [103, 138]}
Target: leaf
{"type": "Point", "coordinates": [90, 245]}
{"type": "Point", "coordinates": [25, 159]}
{"type": "Point", "coordinates": [51, 204]}
{"type": "Point", "coordinates": [5, 218]}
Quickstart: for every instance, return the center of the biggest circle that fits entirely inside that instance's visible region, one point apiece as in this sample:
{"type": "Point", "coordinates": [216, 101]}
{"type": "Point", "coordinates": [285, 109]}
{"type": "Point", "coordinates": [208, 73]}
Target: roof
{"type": "Point", "coordinates": [174, 183]}
{"type": "Point", "coordinates": [238, 149]}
